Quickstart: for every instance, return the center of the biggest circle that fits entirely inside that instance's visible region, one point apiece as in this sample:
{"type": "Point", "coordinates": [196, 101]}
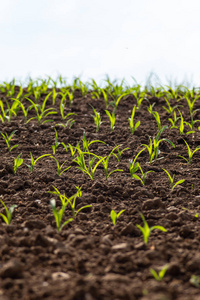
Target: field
{"type": "Point", "coordinates": [100, 194]}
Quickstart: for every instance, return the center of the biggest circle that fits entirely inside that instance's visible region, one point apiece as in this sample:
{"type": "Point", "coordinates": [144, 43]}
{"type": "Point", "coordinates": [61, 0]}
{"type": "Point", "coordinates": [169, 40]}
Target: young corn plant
{"type": "Point", "coordinates": [41, 112]}
{"type": "Point", "coordinates": [172, 180]}
{"type": "Point", "coordinates": [138, 98]}
{"type": "Point", "coordinates": [157, 117]}
{"type": "Point", "coordinates": [133, 126]}
{"type": "Point", "coordinates": [97, 119]}
{"type": "Point", "coordinates": [33, 162]}
{"type": "Point", "coordinates": [182, 122]}
{"type": "Point", "coordinates": [17, 163]}
{"type": "Point", "coordinates": [105, 96]}
{"type": "Point", "coordinates": [114, 216]}
{"type": "Point", "coordinates": [174, 121]}
{"type": "Point", "coordinates": [87, 143]}
{"type": "Point", "coordinates": [160, 275]}
{"type": "Point", "coordinates": [90, 170]}
{"type": "Point", "coordinates": [71, 148]}
{"type": "Point", "coordinates": [8, 139]}
{"type": "Point", "coordinates": [72, 202]}
{"type": "Point", "coordinates": [190, 153]}
{"type": "Point", "coordinates": [24, 110]}
{"type": "Point", "coordinates": [153, 148]}
{"type": "Point", "coordinates": [146, 230]}
{"type": "Point", "coordinates": [8, 216]}
{"type": "Point", "coordinates": [105, 160]}
{"type": "Point", "coordinates": [192, 111]}
{"type": "Point", "coordinates": [111, 118]}
{"type": "Point", "coordinates": [57, 143]}
{"type": "Point", "coordinates": [60, 171]}
{"type": "Point", "coordinates": [58, 215]}
{"type": "Point", "coordinates": [143, 177]}
{"type": "Point", "coordinates": [133, 166]}
{"type": "Point", "coordinates": [119, 153]}
{"type": "Point", "coordinates": [170, 109]}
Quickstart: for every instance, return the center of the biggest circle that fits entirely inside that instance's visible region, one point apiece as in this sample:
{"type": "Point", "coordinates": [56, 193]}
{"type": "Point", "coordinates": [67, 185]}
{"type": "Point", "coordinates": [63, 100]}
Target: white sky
{"type": "Point", "coordinates": [92, 38]}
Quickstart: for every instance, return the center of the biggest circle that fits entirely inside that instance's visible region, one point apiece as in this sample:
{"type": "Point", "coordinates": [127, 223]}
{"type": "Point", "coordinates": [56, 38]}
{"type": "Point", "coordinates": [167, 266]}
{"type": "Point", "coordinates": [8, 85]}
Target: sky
{"type": "Point", "coordinates": [123, 39]}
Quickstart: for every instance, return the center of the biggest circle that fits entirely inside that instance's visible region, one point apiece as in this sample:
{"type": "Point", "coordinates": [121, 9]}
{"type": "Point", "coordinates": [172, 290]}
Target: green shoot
{"type": "Point", "coordinates": [143, 177]}
{"type": "Point", "coordinates": [80, 160]}
{"type": "Point", "coordinates": [105, 160]}
{"type": "Point", "coordinates": [133, 126]}
{"type": "Point", "coordinates": [87, 143]}
{"type": "Point", "coordinates": [57, 143]}
{"type": "Point", "coordinates": [111, 118]}
{"type": "Point", "coordinates": [60, 167]}
{"type": "Point", "coordinates": [119, 153]}
{"type": "Point", "coordinates": [58, 215]}
{"type": "Point", "coordinates": [160, 275]}
{"type": "Point", "coordinates": [146, 230]}
{"type": "Point", "coordinates": [190, 153]}
{"type": "Point", "coordinates": [7, 139]}
{"type": "Point", "coordinates": [72, 149]}
{"type": "Point", "coordinates": [97, 119]}
{"type": "Point", "coordinates": [157, 117]}
{"type": "Point", "coordinates": [41, 112]}
{"type": "Point", "coordinates": [105, 96]}
{"type": "Point", "coordinates": [173, 122]}
{"type": "Point", "coordinates": [72, 202]}
{"type": "Point", "coordinates": [8, 217]}
{"type": "Point", "coordinates": [182, 122]}
{"type": "Point", "coordinates": [172, 180]}
{"type": "Point", "coordinates": [114, 216]}
{"type": "Point", "coordinates": [170, 109]}
{"type": "Point", "coordinates": [153, 148]}
{"type": "Point", "coordinates": [33, 162]}
{"type": "Point", "coordinates": [17, 163]}
{"type": "Point", "coordinates": [133, 167]}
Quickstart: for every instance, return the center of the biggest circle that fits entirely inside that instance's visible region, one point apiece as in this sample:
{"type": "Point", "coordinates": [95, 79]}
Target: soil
{"type": "Point", "coordinates": [90, 258]}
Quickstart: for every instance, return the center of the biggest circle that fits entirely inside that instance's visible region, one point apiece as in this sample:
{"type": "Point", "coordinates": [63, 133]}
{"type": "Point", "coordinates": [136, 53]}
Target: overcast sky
{"type": "Point", "coordinates": [92, 38]}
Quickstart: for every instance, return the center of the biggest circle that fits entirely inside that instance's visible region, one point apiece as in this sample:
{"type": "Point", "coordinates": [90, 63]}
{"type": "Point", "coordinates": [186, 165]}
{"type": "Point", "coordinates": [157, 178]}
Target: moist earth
{"type": "Point", "coordinates": [90, 258]}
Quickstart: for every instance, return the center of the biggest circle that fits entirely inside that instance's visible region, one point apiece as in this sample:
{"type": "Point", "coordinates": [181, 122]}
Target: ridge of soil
{"type": "Point", "coordinates": [90, 259]}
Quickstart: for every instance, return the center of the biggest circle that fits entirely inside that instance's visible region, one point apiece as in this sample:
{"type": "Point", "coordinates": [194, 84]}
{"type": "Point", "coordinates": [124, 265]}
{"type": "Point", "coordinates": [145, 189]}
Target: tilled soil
{"type": "Point", "coordinates": [90, 259]}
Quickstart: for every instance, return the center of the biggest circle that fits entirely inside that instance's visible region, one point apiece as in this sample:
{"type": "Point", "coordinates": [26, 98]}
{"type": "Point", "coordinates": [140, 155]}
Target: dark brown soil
{"type": "Point", "coordinates": [90, 259]}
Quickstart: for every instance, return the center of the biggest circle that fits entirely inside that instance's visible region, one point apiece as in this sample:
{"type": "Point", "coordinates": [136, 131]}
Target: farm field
{"type": "Point", "coordinates": [105, 183]}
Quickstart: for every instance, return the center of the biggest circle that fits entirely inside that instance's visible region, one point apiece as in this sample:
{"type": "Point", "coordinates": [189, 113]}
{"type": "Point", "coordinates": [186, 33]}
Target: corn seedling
{"type": "Point", "coordinates": [172, 180]}
{"type": "Point", "coordinates": [190, 153]}
{"type": "Point", "coordinates": [119, 153]}
{"type": "Point", "coordinates": [138, 99]}
{"type": "Point", "coordinates": [87, 143]}
{"type": "Point", "coordinates": [195, 281]}
{"type": "Point", "coordinates": [182, 122]}
{"type": "Point", "coordinates": [153, 148]}
{"type": "Point", "coordinates": [143, 177]}
{"type": "Point", "coordinates": [33, 162]}
{"type": "Point", "coordinates": [80, 160]}
{"type": "Point", "coordinates": [146, 230]}
{"type": "Point", "coordinates": [170, 109]}
{"type": "Point", "coordinates": [57, 143]}
{"type": "Point", "coordinates": [160, 275]}
{"type": "Point", "coordinates": [17, 163]}
{"type": "Point", "coordinates": [105, 160]}
{"type": "Point", "coordinates": [60, 172]}
{"type": "Point", "coordinates": [173, 122]}
{"type": "Point", "coordinates": [71, 201]}
{"type": "Point", "coordinates": [157, 117]}
{"type": "Point", "coordinates": [133, 166]}
{"type": "Point", "coordinates": [133, 126]}
{"type": "Point", "coordinates": [3, 115]}
{"type": "Point", "coordinates": [150, 108]}
{"type": "Point", "coordinates": [58, 215]}
{"type": "Point", "coordinates": [41, 112]}
{"type": "Point", "coordinates": [71, 148]}
{"type": "Point", "coordinates": [8, 217]}
{"type": "Point", "coordinates": [105, 96]}
{"type": "Point", "coordinates": [97, 119]}
{"type": "Point", "coordinates": [54, 95]}
{"type": "Point", "coordinates": [8, 139]}
{"type": "Point", "coordinates": [111, 118]}
{"type": "Point", "coordinates": [114, 216]}
{"type": "Point", "coordinates": [191, 108]}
